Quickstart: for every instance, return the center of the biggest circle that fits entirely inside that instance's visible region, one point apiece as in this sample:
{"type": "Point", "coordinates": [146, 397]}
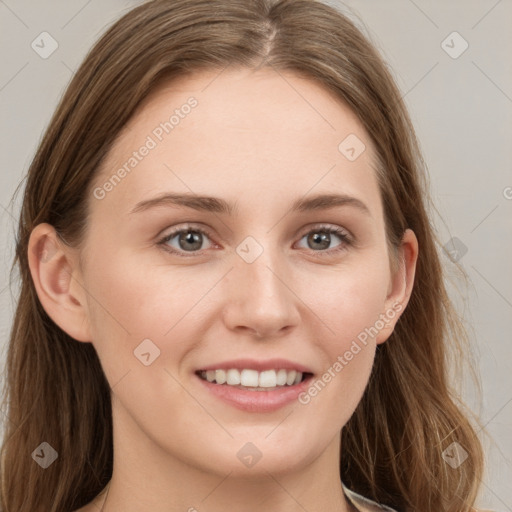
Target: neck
{"type": "Point", "coordinates": [145, 477]}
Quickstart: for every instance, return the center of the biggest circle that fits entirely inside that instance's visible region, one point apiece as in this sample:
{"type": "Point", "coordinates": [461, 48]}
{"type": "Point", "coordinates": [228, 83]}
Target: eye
{"type": "Point", "coordinates": [320, 238]}
{"type": "Point", "coordinates": [187, 240]}
{"type": "Point", "coordinates": [190, 240]}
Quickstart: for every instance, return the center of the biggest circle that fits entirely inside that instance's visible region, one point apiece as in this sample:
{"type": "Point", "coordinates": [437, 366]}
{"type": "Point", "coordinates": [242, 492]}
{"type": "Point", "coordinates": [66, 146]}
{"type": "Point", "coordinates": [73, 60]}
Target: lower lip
{"type": "Point", "coordinates": [257, 401]}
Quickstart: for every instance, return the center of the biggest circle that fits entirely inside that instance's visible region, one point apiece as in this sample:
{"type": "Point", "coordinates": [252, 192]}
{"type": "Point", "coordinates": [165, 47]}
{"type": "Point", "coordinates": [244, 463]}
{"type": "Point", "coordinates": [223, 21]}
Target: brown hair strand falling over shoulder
{"type": "Point", "coordinates": [393, 444]}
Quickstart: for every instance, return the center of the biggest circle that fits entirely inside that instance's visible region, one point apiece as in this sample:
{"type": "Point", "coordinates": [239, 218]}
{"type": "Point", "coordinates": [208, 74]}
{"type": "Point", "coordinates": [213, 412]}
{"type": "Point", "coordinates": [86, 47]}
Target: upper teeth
{"type": "Point", "coordinates": [253, 378]}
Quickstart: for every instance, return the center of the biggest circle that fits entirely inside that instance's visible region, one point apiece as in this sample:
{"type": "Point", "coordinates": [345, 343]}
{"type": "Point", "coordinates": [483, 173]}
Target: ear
{"type": "Point", "coordinates": [55, 272]}
{"type": "Point", "coordinates": [400, 286]}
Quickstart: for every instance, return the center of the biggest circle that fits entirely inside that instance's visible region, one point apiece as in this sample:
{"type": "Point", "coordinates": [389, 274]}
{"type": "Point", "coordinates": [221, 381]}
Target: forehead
{"type": "Point", "coordinates": [240, 134]}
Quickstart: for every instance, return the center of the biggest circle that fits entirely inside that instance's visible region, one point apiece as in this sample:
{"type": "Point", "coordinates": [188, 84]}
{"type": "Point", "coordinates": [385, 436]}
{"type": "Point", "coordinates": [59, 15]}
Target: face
{"type": "Point", "coordinates": [265, 279]}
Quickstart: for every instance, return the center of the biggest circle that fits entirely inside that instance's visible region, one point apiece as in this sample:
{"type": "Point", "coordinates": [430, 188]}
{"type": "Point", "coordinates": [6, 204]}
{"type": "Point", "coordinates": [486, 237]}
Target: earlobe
{"type": "Point", "coordinates": [401, 284]}
{"type": "Point", "coordinates": [53, 267]}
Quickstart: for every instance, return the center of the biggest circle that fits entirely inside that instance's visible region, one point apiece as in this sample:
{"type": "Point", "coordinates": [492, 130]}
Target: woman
{"type": "Point", "coordinates": [292, 358]}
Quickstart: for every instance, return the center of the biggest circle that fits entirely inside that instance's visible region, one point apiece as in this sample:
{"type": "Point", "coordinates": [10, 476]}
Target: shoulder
{"type": "Point", "coordinates": [364, 504]}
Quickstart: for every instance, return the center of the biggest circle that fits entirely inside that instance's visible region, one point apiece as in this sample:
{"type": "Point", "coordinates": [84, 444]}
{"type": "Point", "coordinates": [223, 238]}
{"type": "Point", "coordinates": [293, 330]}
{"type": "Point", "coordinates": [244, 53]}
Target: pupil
{"type": "Point", "coordinates": [324, 239]}
{"type": "Point", "coordinates": [192, 237]}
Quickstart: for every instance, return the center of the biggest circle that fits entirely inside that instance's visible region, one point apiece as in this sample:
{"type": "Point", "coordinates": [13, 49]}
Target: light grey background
{"type": "Point", "coordinates": [462, 110]}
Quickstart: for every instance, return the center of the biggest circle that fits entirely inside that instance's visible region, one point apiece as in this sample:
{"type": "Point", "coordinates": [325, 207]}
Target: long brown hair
{"type": "Point", "coordinates": [56, 391]}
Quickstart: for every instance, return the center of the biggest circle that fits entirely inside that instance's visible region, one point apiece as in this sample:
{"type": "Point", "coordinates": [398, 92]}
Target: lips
{"type": "Point", "coordinates": [255, 386]}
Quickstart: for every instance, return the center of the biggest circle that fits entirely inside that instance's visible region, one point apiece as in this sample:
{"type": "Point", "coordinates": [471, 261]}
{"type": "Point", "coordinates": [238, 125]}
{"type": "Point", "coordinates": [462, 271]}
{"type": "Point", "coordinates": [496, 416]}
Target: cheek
{"type": "Point", "coordinates": [349, 301]}
{"type": "Point", "coordinates": [129, 304]}
{"type": "Point", "coordinates": [143, 297]}
{"type": "Point", "coordinates": [349, 304]}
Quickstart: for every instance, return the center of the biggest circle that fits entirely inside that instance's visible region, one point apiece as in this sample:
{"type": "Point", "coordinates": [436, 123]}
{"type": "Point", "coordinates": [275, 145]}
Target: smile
{"type": "Point", "coordinates": [254, 380]}
{"type": "Point", "coordinates": [255, 386]}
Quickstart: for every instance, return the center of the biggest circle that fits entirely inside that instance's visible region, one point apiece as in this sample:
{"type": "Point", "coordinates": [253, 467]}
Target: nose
{"type": "Point", "coordinates": [260, 297]}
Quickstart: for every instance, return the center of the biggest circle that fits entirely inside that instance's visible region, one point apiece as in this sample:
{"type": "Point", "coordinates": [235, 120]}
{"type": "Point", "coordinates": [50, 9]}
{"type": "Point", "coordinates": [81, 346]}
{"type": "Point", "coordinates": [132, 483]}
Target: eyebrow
{"type": "Point", "coordinates": [217, 205]}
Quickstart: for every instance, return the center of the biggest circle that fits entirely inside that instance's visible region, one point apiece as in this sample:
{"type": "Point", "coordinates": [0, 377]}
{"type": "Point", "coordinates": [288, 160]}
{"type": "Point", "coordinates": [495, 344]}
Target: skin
{"type": "Point", "coordinates": [261, 139]}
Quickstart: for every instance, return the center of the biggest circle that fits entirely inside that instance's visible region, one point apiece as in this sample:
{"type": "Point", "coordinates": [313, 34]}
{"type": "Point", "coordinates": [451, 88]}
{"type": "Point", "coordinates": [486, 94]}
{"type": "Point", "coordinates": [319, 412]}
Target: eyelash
{"type": "Point", "coordinates": [346, 240]}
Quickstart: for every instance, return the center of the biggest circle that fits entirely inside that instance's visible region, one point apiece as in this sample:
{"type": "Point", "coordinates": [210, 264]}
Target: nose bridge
{"type": "Point", "coordinates": [259, 267]}
{"type": "Point", "coordinates": [260, 296]}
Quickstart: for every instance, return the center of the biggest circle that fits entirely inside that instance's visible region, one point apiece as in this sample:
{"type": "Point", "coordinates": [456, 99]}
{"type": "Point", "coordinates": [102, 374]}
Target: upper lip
{"type": "Point", "coordinates": [254, 364]}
